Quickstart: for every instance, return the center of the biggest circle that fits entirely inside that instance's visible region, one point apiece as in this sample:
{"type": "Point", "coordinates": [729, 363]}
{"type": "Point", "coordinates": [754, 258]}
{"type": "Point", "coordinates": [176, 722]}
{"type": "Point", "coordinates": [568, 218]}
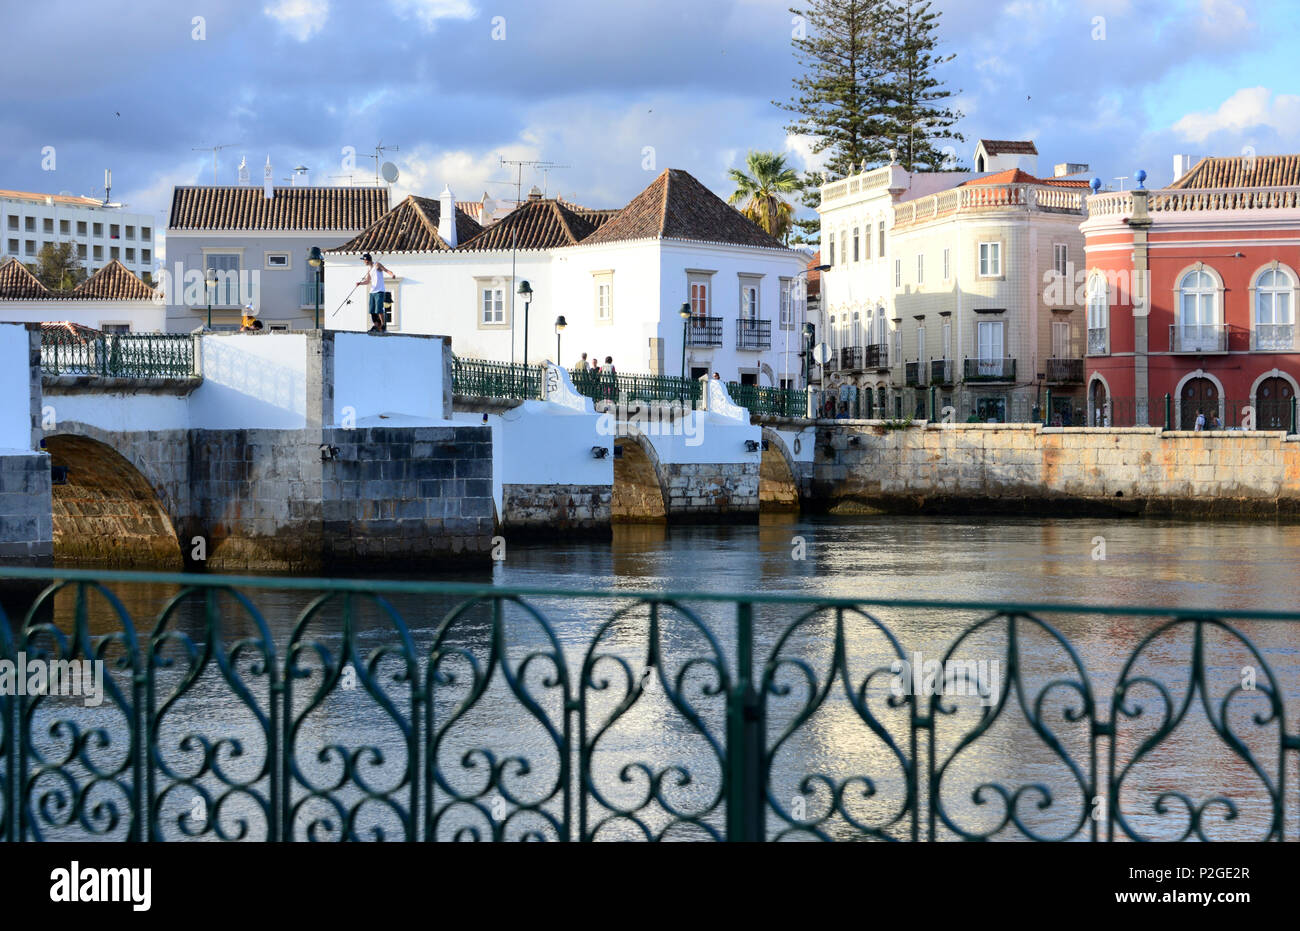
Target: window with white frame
{"type": "Point", "coordinates": [844, 247]}
{"type": "Point", "coordinates": [947, 340]}
{"type": "Point", "coordinates": [989, 347]}
{"type": "Point", "coordinates": [277, 260]}
{"type": "Point", "coordinates": [881, 250]}
{"type": "Point", "coordinates": [1060, 258]}
{"type": "Point", "coordinates": [788, 294]}
{"type": "Point", "coordinates": [749, 298]}
{"type": "Point", "coordinates": [1098, 316]}
{"type": "Point", "coordinates": [990, 260]}
{"type": "Point", "coordinates": [604, 285]}
{"type": "Point", "coordinates": [920, 269]}
{"type": "Point", "coordinates": [947, 264]}
{"type": "Point", "coordinates": [492, 304]}
{"type": "Point", "coordinates": [698, 289]}
{"type": "Point", "coordinates": [1274, 321]}
{"type": "Point", "coordinates": [857, 255]}
{"type": "Point", "coordinates": [1198, 328]}
{"type": "Point", "coordinates": [920, 343]}
{"type": "Point", "coordinates": [1061, 339]}
{"type": "Point", "coordinates": [830, 259]}
{"type": "Point", "coordinates": [898, 273]}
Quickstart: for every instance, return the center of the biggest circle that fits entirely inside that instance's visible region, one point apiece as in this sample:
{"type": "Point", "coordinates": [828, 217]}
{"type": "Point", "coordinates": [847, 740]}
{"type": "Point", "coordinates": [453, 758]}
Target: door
{"type": "Point", "coordinates": [989, 344]}
{"type": "Point", "coordinates": [1100, 416]}
{"type": "Point", "coordinates": [1200, 396]}
{"type": "Point", "coordinates": [1273, 404]}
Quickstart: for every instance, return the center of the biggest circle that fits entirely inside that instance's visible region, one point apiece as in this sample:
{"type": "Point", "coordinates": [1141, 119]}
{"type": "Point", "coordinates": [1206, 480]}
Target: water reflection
{"type": "Point", "coordinates": [839, 739]}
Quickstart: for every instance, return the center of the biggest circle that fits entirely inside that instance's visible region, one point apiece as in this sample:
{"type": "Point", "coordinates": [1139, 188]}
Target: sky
{"type": "Point", "coordinates": [613, 91]}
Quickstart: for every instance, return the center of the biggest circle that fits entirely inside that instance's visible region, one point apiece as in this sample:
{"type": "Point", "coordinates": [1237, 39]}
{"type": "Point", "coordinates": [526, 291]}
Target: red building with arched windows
{"type": "Point", "coordinates": [1191, 293]}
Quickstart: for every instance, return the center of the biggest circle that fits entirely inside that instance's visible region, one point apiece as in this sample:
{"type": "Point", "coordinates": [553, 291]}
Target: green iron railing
{"type": "Point", "coordinates": [119, 355]}
{"type": "Point", "coordinates": [426, 711]}
{"type": "Point", "coordinates": [603, 386]}
{"type": "Point", "coordinates": [502, 380]}
{"type": "Point", "coordinates": [769, 402]}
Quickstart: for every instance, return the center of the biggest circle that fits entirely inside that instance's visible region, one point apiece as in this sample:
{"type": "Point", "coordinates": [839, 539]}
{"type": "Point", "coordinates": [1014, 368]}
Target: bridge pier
{"type": "Point", "coordinates": [26, 521]}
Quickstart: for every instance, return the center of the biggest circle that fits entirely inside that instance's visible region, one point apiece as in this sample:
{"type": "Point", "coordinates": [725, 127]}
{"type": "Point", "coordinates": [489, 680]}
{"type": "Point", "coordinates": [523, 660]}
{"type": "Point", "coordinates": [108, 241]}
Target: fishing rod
{"type": "Point", "coordinates": [346, 300]}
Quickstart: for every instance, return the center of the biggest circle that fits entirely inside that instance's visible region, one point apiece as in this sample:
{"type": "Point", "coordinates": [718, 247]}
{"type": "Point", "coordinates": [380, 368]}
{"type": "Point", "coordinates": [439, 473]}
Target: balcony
{"type": "Point", "coordinates": [704, 332]}
{"type": "Point", "coordinates": [753, 335]}
{"type": "Point", "coordinates": [975, 370]}
{"type": "Point", "coordinates": [1198, 338]}
{"type": "Point", "coordinates": [850, 359]}
{"type": "Point", "coordinates": [1273, 337]}
{"type": "Point", "coordinates": [876, 358]}
{"type": "Point", "coordinates": [311, 293]}
{"type": "Point", "coordinates": [914, 374]}
{"type": "Point", "coordinates": [941, 372]}
{"type": "Point", "coordinates": [1098, 341]}
{"type": "Point", "coordinates": [1065, 371]}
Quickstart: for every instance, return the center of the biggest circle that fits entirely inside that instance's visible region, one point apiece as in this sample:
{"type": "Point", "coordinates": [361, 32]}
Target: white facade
{"type": "Point", "coordinates": [620, 300]}
{"type": "Point", "coordinates": [99, 233]}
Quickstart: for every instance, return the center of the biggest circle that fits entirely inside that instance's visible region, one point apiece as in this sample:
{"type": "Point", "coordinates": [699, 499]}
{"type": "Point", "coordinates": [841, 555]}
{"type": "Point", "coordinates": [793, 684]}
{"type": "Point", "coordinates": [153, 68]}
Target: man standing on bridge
{"type": "Point", "coordinates": [375, 272]}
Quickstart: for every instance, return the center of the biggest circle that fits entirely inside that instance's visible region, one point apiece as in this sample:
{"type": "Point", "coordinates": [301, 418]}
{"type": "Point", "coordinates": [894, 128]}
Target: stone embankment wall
{"type": "Point", "coordinates": [1034, 469]}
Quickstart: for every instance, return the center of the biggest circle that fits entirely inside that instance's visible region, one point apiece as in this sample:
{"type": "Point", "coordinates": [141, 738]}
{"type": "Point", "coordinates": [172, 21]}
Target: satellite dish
{"type": "Point", "coordinates": [389, 171]}
{"type": "Point", "coordinates": [822, 353]}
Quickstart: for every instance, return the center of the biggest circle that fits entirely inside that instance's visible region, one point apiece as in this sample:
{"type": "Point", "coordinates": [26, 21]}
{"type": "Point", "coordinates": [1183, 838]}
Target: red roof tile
{"type": "Point", "coordinates": [1240, 171]}
{"type": "Point", "coordinates": [537, 224]}
{"type": "Point", "coordinates": [292, 208]}
{"type": "Point", "coordinates": [17, 283]}
{"type": "Point", "coordinates": [411, 226]}
{"type": "Point", "coordinates": [114, 282]}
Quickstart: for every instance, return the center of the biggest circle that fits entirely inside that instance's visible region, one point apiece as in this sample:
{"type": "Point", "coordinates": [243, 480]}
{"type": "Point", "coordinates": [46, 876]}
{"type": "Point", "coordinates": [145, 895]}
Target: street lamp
{"type": "Point", "coordinates": [804, 288]}
{"type": "Point", "coordinates": [809, 333]}
{"type": "Point", "coordinates": [686, 322]}
{"type": "Point", "coordinates": [526, 292]}
{"type": "Point", "coordinates": [211, 279]}
{"type": "Point", "coordinates": [560, 324]}
{"type": "Point", "coordinates": [317, 261]}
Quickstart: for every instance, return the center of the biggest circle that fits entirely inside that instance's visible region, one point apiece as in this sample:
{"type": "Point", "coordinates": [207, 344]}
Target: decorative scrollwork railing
{"type": "Point", "coordinates": [295, 709]}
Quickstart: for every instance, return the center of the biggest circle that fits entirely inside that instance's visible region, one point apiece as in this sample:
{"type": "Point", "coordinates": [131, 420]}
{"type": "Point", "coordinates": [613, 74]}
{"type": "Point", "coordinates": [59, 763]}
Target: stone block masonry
{"type": "Point", "coordinates": [26, 521]}
{"type": "Point", "coordinates": [1013, 468]}
{"type": "Point", "coordinates": [546, 510]}
{"type": "Point", "coordinates": [708, 491]}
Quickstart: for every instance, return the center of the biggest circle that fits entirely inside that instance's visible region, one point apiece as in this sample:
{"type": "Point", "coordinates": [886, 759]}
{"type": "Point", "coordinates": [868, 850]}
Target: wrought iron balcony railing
{"type": "Point", "coordinates": [851, 359]}
{"type": "Point", "coordinates": [1098, 341]}
{"type": "Point", "coordinates": [624, 715]}
{"type": "Point", "coordinates": [989, 370]}
{"type": "Point", "coordinates": [118, 355]}
{"type": "Point", "coordinates": [941, 372]}
{"type": "Point", "coordinates": [914, 374]}
{"type": "Point", "coordinates": [877, 358]}
{"type": "Point", "coordinates": [1273, 337]}
{"type": "Point", "coordinates": [1065, 371]}
{"type": "Point", "coordinates": [1198, 338]}
{"type": "Point", "coordinates": [704, 332]}
{"type": "Point", "coordinates": [753, 335]}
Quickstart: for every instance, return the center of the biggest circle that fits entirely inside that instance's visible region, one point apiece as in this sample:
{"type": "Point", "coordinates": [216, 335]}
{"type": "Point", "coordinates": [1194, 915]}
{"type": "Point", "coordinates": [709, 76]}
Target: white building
{"type": "Point", "coordinates": [618, 277]}
{"type": "Point", "coordinates": [99, 232]}
{"type": "Point", "coordinates": [113, 299]}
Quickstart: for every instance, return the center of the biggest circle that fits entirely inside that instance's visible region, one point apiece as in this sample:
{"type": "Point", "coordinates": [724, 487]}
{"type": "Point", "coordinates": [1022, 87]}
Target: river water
{"type": "Point", "coordinates": [839, 760]}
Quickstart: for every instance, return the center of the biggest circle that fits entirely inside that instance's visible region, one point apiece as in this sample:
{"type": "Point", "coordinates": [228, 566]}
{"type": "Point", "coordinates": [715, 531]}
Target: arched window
{"type": "Point", "coordinates": [1199, 328]}
{"type": "Point", "coordinates": [1273, 311]}
{"type": "Point", "coordinates": [1098, 316]}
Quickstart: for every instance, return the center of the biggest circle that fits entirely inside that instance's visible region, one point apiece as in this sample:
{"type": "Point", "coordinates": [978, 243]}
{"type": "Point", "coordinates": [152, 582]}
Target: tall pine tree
{"type": "Point", "coordinates": [918, 110]}
{"type": "Point", "coordinates": [842, 99]}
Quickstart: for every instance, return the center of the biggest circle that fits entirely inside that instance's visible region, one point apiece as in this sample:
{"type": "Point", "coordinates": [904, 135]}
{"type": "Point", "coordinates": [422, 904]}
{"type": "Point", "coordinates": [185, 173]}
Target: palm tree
{"type": "Point", "coordinates": [758, 194]}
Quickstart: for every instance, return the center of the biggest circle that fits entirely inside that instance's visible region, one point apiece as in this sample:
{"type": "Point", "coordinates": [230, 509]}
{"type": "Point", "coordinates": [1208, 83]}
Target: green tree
{"type": "Point", "coordinates": [808, 232]}
{"type": "Point", "coordinates": [58, 267]}
{"type": "Point", "coordinates": [917, 107]}
{"type": "Point", "coordinates": [842, 98]}
{"type": "Point", "coordinates": [759, 194]}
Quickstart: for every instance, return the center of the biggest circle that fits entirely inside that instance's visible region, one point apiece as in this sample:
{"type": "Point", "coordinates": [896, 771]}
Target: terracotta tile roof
{"type": "Point", "coordinates": [1008, 147]}
{"type": "Point", "coordinates": [292, 208]}
{"type": "Point", "coordinates": [814, 287]}
{"type": "Point", "coordinates": [472, 209]}
{"type": "Point", "coordinates": [1016, 176]}
{"type": "Point", "coordinates": [114, 282]}
{"type": "Point", "coordinates": [537, 224]}
{"type": "Point", "coordinates": [597, 218]}
{"type": "Point", "coordinates": [677, 206]}
{"type": "Point", "coordinates": [17, 283]}
{"type": "Point", "coordinates": [56, 198]}
{"type": "Point", "coordinates": [1237, 171]}
{"type": "Point", "coordinates": [411, 226]}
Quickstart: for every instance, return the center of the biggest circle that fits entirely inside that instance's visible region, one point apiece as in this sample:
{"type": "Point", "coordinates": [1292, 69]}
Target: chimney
{"type": "Point", "coordinates": [301, 176]}
{"type": "Point", "coordinates": [242, 174]}
{"type": "Point", "coordinates": [268, 181]}
{"type": "Point", "coordinates": [1068, 169]}
{"type": "Point", "coordinates": [535, 193]}
{"type": "Point", "coordinates": [1182, 165]}
{"type": "Point", "coordinates": [447, 217]}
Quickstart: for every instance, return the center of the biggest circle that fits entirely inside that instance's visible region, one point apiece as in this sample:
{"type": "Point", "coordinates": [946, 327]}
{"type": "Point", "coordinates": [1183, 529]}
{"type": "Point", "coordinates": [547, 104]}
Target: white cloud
{"type": "Point", "coordinates": [1251, 108]}
{"type": "Point", "coordinates": [299, 18]}
{"type": "Point", "coordinates": [429, 12]}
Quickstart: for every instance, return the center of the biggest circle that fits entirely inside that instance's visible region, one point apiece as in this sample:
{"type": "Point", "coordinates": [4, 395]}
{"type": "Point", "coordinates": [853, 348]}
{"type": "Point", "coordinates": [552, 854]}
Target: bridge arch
{"type": "Point", "coordinates": [107, 511]}
{"type": "Point", "coordinates": [639, 496]}
{"type": "Point", "coordinates": [778, 488]}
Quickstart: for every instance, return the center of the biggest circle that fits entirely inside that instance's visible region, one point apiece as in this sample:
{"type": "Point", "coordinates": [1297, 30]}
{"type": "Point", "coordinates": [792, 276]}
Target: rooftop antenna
{"type": "Point", "coordinates": [380, 149]}
{"type": "Point", "coordinates": [1121, 181]}
{"type": "Point", "coordinates": [518, 165]}
{"type": "Point", "coordinates": [214, 149]}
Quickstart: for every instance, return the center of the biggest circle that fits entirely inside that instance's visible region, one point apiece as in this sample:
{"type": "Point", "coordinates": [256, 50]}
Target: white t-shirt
{"type": "Point", "coordinates": [377, 281]}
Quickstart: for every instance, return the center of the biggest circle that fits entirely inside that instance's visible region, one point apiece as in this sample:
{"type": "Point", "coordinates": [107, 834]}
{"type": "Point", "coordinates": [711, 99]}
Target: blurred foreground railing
{"type": "Point", "coordinates": [423, 711]}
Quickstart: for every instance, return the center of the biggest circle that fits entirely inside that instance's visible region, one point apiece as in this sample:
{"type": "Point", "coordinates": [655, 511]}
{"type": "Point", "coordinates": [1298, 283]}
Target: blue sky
{"type": "Point", "coordinates": [592, 84]}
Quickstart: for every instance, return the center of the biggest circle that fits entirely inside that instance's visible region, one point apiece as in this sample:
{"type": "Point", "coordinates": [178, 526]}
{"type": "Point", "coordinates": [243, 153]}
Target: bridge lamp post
{"type": "Point", "coordinates": [317, 261]}
{"type": "Point", "coordinates": [526, 292]}
{"type": "Point", "coordinates": [686, 322]}
{"type": "Point", "coordinates": [809, 333]}
{"type": "Point", "coordinates": [560, 324]}
{"type": "Point", "coordinates": [210, 278]}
